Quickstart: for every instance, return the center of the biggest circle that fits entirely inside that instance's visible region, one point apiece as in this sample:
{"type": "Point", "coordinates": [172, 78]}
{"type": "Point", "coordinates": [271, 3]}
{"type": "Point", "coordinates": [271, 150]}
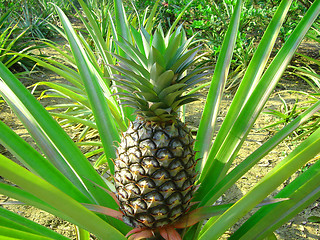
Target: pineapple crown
{"type": "Point", "coordinates": [154, 75]}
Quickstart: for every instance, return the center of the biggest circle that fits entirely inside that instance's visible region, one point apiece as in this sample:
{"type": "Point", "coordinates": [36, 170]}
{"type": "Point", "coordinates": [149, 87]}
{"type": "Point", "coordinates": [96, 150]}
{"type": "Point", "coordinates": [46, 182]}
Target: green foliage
{"type": "Point", "coordinates": [12, 42]}
{"type": "Point", "coordinates": [34, 21]}
{"type": "Point", "coordinates": [288, 112]}
{"type": "Point", "coordinates": [308, 70]}
{"type": "Point", "coordinates": [33, 16]}
{"type": "Point", "coordinates": [305, 68]}
{"type": "Point", "coordinates": [97, 44]}
{"type": "Point", "coordinates": [21, 23]}
{"type": "Point", "coordinates": [211, 19]}
{"type": "Point", "coordinates": [100, 12]}
{"type": "Point", "coordinates": [314, 219]}
{"type": "Point", "coordinates": [5, 5]}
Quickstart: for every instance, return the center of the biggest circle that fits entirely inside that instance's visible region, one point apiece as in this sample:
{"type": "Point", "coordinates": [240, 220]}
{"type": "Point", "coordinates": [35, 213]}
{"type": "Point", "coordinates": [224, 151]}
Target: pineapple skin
{"type": "Point", "coordinates": [155, 172]}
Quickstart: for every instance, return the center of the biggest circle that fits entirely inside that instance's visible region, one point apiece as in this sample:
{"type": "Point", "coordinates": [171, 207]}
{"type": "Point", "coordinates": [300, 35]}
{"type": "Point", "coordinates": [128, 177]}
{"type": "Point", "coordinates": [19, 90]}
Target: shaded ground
{"type": "Point", "coordinates": [297, 228]}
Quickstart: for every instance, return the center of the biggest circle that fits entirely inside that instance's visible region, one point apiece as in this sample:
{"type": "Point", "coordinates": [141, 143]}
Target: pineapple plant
{"type": "Point", "coordinates": [61, 181]}
{"type": "Point", "coordinates": [155, 168]}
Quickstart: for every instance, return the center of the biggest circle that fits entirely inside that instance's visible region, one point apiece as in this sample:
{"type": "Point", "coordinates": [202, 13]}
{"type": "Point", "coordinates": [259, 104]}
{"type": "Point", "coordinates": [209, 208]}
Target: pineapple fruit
{"type": "Point", "coordinates": [155, 168]}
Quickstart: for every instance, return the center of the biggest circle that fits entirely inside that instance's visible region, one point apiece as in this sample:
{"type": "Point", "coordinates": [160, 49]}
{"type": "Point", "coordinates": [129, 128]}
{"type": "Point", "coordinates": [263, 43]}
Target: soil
{"type": "Point", "coordinates": [296, 228]}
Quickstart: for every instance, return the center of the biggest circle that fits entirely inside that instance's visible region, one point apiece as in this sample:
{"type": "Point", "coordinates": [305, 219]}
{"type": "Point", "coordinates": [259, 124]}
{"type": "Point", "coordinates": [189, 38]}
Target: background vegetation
{"type": "Point", "coordinates": [24, 23]}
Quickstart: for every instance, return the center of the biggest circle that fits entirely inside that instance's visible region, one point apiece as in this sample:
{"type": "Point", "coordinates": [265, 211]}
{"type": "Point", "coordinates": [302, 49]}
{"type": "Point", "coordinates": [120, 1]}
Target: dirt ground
{"type": "Point", "coordinates": [297, 228]}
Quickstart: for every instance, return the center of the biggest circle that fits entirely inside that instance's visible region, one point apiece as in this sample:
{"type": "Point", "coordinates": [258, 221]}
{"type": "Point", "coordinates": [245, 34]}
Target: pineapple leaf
{"type": "Point", "coordinates": [68, 91]}
{"type": "Point", "coordinates": [128, 88]}
{"type": "Point", "coordinates": [151, 18]}
{"type": "Point", "coordinates": [133, 75]}
{"type": "Point", "coordinates": [161, 112]}
{"type": "Point", "coordinates": [142, 234]}
{"type": "Point", "coordinates": [164, 81]}
{"type": "Point", "coordinates": [148, 114]}
{"type": "Point", "coordinates": [136, 86]}
{"type": "Point", "coordinates": [127, 85]}
{"type": "Point", "coordinates": [194, 82]}
{"type": "Point", "coordinates": [104, 210]}
{"type": "Point", "coordinates": [180, 51]}
{"type": "Point", "coordinates": [155, 106]}
{"type": "Point", "coordinates": [136, 105]}
{"type": "Point", "coordinates": [195, 72]}
{"type": "Point", "coordinates": [172, 47]}
{"type": "Point", "coordinates": [186, 64]}
{"type": "Point", "coordinates": [183, 60]}
{"type": "Point", "coordinates": [150, 97]}
{"type": "Point", "coordinates": [122, 25]}
{"type": "Point", "coordinates": [138, 40]}
{"type": "Point", "coordinates": [184, 100]}
{"type": "Point", "coordinates": [14, 220]}
{"type": "Point", "coordinates": [130, 96]}
{"type": "Point", "coordinates": [133, 66]}
{"type": "Point", "coordinates": [133, 53]}
{"type": "Point", "coordinates": [203, 213]}
{"type": "Point", "coordinates": [132, 104]}
{"type": "Point", "coordinates": [171, 97]}
{"type": "Point", "coordinates": [169, 233]}
{"type": "Point", "coordinates": [156, 57]}
{"type": "Point", "coordinates": [125, 94]}
{"type": "Point", "coordinates": [145, 40]}
{"type": "Point", "coordinates": [155, 71]}
{"type": "Point", "coordinates": [171, 89]}
{"type": "Point", "coordinates": [162, 117]}
{"type": "Point", "coordinates": [158, 41]}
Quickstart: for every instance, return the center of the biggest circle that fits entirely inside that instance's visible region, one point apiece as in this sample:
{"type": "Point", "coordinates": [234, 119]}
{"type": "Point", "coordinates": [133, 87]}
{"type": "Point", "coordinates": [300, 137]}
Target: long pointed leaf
{"type": "Point", "coordinates": [104, 120]}
{"type": "Point", "coordinates": [257, 155]}
{"type": "Point", "coordinates": [10, 233]}
{"type": "Point", "coordinates": [151, 19]}
{"type": "Point", "coordinates": [37, 163]}
{"type": "Point", "coordinates": [252, 75]}
{"type": "Point", "coordinates": [97, 36]}
{"type": "Point", "coordinates": [209, 115]}
{"type": "Point", "coordinates": [56, 198]}
{"type": "Point", "coordinates": [67, 91]}
{"type": "Point", "coordinates": [29, 199]}
{"type": "Point", "coordinates": [37, 121]}
{"type": "Point", "coordinates": [296, 159]}
{"type": "Point", "coordinates": [18, 222]}
{"type": "Point", "coordinates": [303, 191]}
{"type": "Point", "coordinates": [249, 113]}
{"type": "Point", "coordinates": [52, 140]}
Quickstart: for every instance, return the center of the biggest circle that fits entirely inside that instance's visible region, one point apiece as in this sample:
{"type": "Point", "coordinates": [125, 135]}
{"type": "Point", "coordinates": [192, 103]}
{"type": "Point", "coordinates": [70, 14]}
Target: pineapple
{"type": "Point", "coordinates": [155, 168]}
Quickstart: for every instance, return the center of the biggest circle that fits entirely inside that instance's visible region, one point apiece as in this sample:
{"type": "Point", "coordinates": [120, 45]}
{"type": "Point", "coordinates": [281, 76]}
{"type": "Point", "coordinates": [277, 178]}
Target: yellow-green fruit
{"type": "Point", "coordinates": [155, 172]}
